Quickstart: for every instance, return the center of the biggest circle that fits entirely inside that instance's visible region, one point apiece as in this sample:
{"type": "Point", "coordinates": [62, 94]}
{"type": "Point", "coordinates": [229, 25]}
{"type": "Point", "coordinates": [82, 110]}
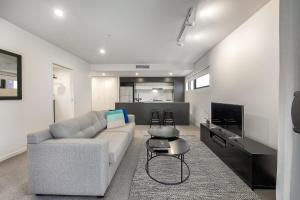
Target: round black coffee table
{"type": "Point", "coordinates": [164, 132]}
{"type": "Point", "coordinates": [178, 148]}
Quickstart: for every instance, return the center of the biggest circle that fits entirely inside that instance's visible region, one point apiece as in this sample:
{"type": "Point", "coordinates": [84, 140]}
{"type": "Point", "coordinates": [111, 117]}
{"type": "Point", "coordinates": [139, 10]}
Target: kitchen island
{"type": "Point", "coordinates": [142, 111]}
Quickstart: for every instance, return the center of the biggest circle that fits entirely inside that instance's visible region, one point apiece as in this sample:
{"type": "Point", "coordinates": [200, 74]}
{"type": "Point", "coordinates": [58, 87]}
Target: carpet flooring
{"type": "Point", "coordinates": [210, 178]}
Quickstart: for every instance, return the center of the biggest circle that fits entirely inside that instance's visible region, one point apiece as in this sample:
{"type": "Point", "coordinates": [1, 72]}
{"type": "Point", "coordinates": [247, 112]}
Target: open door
{"type": "Point", "coordinates": [63, 99]}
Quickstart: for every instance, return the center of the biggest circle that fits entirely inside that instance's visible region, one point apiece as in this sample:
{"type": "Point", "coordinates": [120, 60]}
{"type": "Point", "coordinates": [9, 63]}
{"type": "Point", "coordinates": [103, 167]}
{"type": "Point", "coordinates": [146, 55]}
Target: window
{"type": "Point", "coordinates": [192, 84]}
{"type": "Point", "coordinates": [203, 81]}
{"type": "Point", "coordinates": [187, 86]}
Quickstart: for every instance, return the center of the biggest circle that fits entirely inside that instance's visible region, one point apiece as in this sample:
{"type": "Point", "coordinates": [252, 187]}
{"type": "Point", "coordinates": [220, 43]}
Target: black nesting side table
{"type": "Point", "coordinates": [178, 148]}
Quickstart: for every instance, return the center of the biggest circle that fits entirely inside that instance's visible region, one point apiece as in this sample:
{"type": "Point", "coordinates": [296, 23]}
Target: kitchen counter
{"type": "Point", "coordinates": [142, 111]}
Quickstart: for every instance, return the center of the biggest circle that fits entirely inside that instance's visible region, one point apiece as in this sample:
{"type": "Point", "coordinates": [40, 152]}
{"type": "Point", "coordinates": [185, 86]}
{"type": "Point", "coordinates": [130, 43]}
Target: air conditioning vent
{"type": "Point", "coordinates": [142, 66]}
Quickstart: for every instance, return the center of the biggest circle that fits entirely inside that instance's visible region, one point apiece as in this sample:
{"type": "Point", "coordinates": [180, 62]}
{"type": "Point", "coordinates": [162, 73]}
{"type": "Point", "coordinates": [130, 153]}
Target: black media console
{"type": "Point", "coordinates": [253, 162]}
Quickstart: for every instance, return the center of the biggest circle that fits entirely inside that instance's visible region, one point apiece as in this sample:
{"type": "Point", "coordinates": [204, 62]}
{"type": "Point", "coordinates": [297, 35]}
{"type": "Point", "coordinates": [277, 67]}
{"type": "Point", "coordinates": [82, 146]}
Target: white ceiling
{"type": "Point", "coordinates": [142, 31]}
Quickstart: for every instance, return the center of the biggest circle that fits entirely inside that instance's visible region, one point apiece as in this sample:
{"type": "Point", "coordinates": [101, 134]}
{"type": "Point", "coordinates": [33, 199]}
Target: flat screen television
{"type": "Point", "coordinates": [229, 117]}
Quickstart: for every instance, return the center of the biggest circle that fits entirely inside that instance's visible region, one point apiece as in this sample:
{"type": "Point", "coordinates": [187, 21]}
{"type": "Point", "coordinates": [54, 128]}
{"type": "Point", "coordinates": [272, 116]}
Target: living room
{"type": "Point", "coordinates": [169, 66]}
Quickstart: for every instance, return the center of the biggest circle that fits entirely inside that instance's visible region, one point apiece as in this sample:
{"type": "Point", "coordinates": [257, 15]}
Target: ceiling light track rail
{"type": "Point", "coordinates": [187, 23]}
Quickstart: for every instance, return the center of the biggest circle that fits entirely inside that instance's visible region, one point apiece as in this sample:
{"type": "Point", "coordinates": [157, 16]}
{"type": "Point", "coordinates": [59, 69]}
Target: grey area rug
{"type": "Point", "coordinates": [210, 178]}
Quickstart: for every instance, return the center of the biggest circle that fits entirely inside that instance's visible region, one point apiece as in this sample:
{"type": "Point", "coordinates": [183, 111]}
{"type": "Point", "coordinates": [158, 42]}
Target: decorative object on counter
{"type": "Point", "coordinates": [138, 99]}
{"type": "Point", "coordinates": [10, 76]}
{"type": "Point", "coordinates": [164, 132]}
{"type": "Point", "coordinates": [296, 112]}
{"type": "Point", "coordinates": [115, 119]}
{"type": "Point", "coordinates": [168, 118]}
{"type": "Point", "coordinates": [155, 118]}
{"type": "Point", "coordinates": [206, 118]}
{"type": "Point", "coordinates": [207, 122]}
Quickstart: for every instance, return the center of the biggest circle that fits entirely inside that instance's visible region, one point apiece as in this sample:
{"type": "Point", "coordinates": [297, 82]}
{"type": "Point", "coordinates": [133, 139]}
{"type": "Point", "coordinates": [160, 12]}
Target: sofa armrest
{"type": "Point", "coordinates": [131, 118]}
{"type": "Point", "coordinates": [69, 167]}
{"type": "Point", "coordinates": [38, 137]}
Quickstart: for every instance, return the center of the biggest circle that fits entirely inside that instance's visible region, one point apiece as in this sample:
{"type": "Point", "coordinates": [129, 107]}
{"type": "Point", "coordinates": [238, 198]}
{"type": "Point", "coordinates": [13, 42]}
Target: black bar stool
{"type": "Point", "coordinates": [168, 118]}
{"type": "Point", "coordinates": [155, 118]}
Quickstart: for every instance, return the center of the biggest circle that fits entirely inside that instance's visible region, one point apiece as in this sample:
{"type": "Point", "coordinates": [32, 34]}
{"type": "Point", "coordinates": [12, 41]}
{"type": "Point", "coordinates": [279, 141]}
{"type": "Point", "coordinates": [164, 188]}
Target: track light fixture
{"type": "Point", "coordinates": [188, 22]}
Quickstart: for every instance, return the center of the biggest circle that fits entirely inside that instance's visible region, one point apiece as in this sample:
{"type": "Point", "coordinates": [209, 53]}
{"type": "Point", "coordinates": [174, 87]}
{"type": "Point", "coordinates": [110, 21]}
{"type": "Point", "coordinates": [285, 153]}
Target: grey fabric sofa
{"type": "Point", "coordinates": [78, 156]}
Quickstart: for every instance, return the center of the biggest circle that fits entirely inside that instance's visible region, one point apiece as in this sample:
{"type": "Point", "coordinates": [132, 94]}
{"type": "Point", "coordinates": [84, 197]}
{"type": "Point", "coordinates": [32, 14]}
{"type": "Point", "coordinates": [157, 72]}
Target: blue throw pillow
{"type": "Point", "coordinates": [115, 119]}
{"type": "Point", "coordinates": [125, 112]}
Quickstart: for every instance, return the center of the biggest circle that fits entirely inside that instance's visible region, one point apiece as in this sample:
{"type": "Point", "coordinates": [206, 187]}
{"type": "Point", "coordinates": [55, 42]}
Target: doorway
{"type": "Point", "coordinates": [63, 98]}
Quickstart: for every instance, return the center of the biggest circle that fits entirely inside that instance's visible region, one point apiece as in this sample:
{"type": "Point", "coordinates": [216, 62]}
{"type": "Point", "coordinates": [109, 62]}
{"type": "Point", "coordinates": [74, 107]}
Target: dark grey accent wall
{"type": "Point", "coordinates": [142, 111]}
{"type": "Point", "coordinates": [179, 88]}
{"type": "Point", "coordinates": [179, 84]}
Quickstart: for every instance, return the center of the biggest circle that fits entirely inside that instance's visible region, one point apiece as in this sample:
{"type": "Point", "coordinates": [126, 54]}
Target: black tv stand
{"type": "Point", "coordinates": [253, 162]}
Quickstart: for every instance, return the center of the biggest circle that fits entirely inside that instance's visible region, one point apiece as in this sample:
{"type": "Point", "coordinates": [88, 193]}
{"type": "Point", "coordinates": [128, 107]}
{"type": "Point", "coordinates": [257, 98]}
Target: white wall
{"type": "Point", "coordinates": [34, 111]}
{"type": "Point", "coordinates": [244, 69]}
{"type": "Point", "coordinates": [105, 92]}
{"type": "Point", "coordinates": [288, 174]}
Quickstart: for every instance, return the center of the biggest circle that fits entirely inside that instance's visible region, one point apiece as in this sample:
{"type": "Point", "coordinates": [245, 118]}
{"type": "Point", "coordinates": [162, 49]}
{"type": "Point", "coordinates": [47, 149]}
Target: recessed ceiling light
{"type": "Point", "coordinates": [208, 12]}
{"type": "Point", "coordinates": [154, 90]}
{"type": "Point", "coordinates": [170, 73]}
{"type": "Point", "coordinates": [180, 44]}
{"type": "Point", "coordinates": [103, 74]}
{"type": "Point", "coordinates": [198, 36]}
{"type": "Point", "coordinates": [59, 12]}
{"type": "Point", "coordinates": [136, 74]}
{"type": "Point", "coordinates": [102, 51]}
{"type": "Point", "coordinates": [195, 37]}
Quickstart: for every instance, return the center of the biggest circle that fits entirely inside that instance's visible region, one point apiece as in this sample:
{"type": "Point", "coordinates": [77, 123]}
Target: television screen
{"type": "Point", "coordinates": [229, 117]}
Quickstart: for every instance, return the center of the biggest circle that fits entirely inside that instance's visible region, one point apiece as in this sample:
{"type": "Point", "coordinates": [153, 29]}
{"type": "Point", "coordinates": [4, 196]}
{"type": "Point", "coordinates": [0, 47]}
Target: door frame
{"type": "Point", "coordinates": [71, 87]}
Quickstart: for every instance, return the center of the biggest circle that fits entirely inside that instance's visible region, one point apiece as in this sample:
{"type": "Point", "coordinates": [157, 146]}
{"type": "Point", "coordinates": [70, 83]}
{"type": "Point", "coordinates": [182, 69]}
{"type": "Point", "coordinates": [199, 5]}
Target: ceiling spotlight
{"type": "Point", "coordinates": [102, 51]}
{"type": "Point", "coordinates": [103, 74]}
{"type": "Point", "coordinates": [180, 44]}
{"type": "Point", "coordinates": [136, 74]}
{"type": "Point", "coordinates": [154, 90]}
{"type": "Point", "coordinates": [58, 12]}
{"type": "Point", "coordinates": [171, 74]}
{"type": "Point", "coordinates": [208, 12]}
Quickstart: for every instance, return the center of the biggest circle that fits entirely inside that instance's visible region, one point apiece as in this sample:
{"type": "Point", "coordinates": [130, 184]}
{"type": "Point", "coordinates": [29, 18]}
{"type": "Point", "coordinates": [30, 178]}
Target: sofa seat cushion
{"type": "Point", "coordinates": [128, 128]}
{"type": "Point", "coordinates": [117, 142]}
{"type": "Point", "coordinates": [85, 126]}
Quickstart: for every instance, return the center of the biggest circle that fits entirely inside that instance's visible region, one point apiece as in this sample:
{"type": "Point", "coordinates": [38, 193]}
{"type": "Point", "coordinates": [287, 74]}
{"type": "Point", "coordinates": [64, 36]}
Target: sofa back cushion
{"type": "Point", "coordinates": [115, 119]}
{"type": "Point", "coordinates": [85, 126]}
{"type": "Point", "coordinates": [101, 115]}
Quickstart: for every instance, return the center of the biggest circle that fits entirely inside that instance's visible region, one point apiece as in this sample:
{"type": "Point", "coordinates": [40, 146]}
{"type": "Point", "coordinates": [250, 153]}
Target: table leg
{"type": "Point", "coordinates": [147, 163]}
{"type": "Point", "coordinates": [181, 160]}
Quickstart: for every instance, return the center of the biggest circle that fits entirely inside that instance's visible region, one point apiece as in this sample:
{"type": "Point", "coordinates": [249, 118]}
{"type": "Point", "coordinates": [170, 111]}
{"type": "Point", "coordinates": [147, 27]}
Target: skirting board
{"type": "Point", "coordinates": [12, 154]}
